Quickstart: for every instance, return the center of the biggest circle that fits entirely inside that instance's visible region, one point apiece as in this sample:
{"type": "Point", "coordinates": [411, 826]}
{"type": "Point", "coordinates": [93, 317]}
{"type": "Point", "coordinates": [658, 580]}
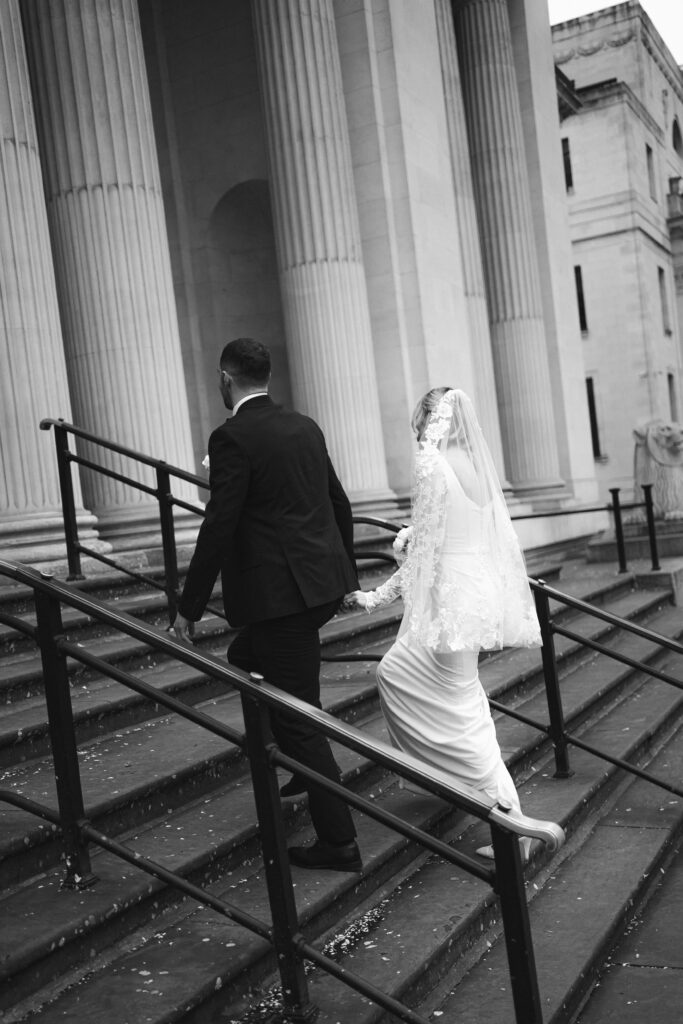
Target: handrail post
{"type": "Point", "coordinates": [297, 1005]}
{"type": "Point", "coordinates": [68, 504]}
{"type": "Point", "coordinates": [164, 498]}
{"type": "Point", "coordinates": [618, 529]}
{"type": "Point", "coordinates": [552, 684]}
{"type": "Point", "coordinates": [650, 514]}
{"type": "Point", "coordinates": [63, 740]}
{"type": "Point", "coordinates": [509, 886]}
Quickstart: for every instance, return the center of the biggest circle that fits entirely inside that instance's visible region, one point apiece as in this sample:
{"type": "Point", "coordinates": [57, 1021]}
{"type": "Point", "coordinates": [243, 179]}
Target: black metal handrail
{"type": "Point", "coordinates": [616, 508]}
{"type": "Point", "coordinates": [167, 501]}
{"type": "Point", "coordinates": [162, 492]}
{"type": "Point", "coordinates": [113, 446]}
{"type": "Point", "coordinates": [506, 877]}
{"type": "Point", "coordinates": [557, 730]}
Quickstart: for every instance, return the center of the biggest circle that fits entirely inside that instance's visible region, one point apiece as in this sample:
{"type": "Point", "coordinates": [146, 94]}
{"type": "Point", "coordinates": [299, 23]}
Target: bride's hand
{"type": "Point", "coordinates": [356, 599]}
{"type": "Point", "coordinates": [401, 542]}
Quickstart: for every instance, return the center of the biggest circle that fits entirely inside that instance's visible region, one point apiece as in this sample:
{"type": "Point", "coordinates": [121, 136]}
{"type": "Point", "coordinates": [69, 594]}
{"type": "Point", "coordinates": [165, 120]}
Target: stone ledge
{"type": "Point", "coordinates": [669, 576]}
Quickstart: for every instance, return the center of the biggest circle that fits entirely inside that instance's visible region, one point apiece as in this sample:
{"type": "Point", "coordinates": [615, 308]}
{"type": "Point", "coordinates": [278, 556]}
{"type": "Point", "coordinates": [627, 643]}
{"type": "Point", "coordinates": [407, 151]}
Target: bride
{"type": "Point", "coordinates": [465, 589]}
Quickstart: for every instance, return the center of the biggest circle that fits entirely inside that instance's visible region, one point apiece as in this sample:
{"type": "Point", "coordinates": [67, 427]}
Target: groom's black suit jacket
{"type": "Point", "coordinates": [278, 523]}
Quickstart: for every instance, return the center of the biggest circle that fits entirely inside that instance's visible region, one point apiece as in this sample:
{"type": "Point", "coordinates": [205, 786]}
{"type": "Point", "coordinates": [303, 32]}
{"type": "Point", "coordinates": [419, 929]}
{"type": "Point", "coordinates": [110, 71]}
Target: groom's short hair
{"type": "Point", "coordinates": [247, 360]}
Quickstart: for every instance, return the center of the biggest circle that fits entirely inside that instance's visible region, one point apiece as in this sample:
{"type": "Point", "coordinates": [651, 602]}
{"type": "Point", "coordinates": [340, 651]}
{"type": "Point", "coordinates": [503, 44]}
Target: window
{"type": "Point", "coordinates": [673, 400]}
{"type": "Point", "coordinates": [567, 161]}
{"type": "Point", "coordinates": [593, 417]}
{"type": "Point", "coordinates": [649, 156]}
{"type": "Point", "coordinates": [583, 321]}
{"type": "Point", "coordinates": [676, 139]}
{"type": "Point", "coordinates": [664, 301]}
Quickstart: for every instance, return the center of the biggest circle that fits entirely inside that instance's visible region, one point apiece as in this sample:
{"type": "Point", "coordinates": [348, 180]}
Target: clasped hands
{"type": "Point", "coordinates": [184, 628]}
{"type": "Point", "coordinates": [401, 542]}
{"type": "Point", "coordinates": [358, 598]}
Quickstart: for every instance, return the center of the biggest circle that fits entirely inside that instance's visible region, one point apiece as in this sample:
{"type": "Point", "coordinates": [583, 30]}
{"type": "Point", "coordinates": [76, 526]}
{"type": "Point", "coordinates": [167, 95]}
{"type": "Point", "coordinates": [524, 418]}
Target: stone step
{"type": "Point", "coordinates": [522, 670]}
{"type": "Point", "coordinates": [422, 940]}
{"type": "Point", "coordinates": [640, 980]}
{"type": "Point", "coordinates": [20, 664]}
{"type": "Point", "coordinates": [200, 840]}
{"type": "Point", "coordinates": [174, 794]}
{"type": "Point", "coordinates": [146, 769]}
{"type": "Point", "coordinates": [204, 766]}
{"type": "Point", "coordinates": [101, 704]}
{"type": "Point", "coordinates": [424, 934]}
{"type": "Point", "coordinates": [135, 596]}
{"type": "Point", "coordinates": [585, 904]}
{"type": "Point", "coordinates": [589, 688]}
{"type": "Point", "coordinates": [160, 761]}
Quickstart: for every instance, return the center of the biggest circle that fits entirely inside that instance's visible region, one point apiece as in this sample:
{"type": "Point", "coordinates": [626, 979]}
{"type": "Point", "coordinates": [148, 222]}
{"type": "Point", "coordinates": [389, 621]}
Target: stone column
{"type": "Point", "coordinates": [507, 240]}
{"type": "Point", "coordinates": [33, 381]}
{"type": "Point", "coordinates": [485, 397]}
{"type": "Point", "coordinates": [318, 238]}
{"type": "Point", "coordinates": [111, 251]}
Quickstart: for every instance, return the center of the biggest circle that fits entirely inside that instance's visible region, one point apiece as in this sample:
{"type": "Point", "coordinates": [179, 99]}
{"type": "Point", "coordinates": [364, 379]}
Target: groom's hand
{"type": "Point", "coordinates": [183, 628]}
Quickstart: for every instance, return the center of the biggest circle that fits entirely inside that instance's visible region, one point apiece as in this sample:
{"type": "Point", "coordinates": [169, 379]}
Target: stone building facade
{"type": "Point", "coordinates": [372, 187]}
{"type": "Point", "coordinates": [623, 161]}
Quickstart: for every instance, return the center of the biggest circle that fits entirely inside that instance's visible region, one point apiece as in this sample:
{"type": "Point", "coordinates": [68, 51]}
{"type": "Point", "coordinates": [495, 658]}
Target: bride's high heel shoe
{"type": "Point", "coordinates": [524, 849]}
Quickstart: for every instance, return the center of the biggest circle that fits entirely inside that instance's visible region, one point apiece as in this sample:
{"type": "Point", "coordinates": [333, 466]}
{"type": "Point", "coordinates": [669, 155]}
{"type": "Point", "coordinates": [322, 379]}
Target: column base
{"type": "Point", "coordinates": [555, 530]}
{"type": "Point", "coordinates": [38, 538]}
{"type": "Point", "coordinates": [543, 495]}
{"type": "Point", "coordinates": [137, 527]}
{"type": "Point", "coordinates": [390, 507]}
{"type": "Point", "coordinates": [370, 503]}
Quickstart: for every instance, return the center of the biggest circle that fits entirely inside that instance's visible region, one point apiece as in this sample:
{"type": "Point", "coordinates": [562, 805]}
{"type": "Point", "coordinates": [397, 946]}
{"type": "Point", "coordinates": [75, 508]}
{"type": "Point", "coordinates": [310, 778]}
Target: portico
{"type": "Point", "coordinates": [348, 181]}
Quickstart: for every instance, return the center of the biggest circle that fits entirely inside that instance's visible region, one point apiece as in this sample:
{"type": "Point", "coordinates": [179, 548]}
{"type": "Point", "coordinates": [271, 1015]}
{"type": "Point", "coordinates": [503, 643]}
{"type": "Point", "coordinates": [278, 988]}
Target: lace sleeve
{"type": "Point", "coordinates": [386, 593]}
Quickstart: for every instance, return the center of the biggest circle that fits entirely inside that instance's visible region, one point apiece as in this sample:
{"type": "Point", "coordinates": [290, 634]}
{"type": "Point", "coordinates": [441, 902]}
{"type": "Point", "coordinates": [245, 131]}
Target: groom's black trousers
{"type": "Point", "coordinates": [286, 651]}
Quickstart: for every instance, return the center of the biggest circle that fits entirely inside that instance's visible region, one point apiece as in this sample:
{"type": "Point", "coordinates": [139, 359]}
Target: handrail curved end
{"type": "Point", "coordinates": [549, 832]}
{"type": "Point", "coordinates": [49, 422]}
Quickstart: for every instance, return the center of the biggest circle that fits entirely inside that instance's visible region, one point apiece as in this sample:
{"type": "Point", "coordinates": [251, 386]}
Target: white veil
{"type": "Point", "coordinates": [483, 601]}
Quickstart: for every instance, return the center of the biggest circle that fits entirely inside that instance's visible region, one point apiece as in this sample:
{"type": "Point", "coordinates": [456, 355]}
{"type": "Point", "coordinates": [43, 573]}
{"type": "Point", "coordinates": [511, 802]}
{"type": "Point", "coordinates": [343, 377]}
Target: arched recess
{"type": "Point", "coordinates": [676, 137]}
{"type": "Point", "coordinates": [244, 287]}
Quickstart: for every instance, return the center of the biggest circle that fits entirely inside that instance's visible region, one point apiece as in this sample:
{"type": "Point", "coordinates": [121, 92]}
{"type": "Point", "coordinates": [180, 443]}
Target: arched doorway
{"type": "Point", "coordinates": [245, 292]}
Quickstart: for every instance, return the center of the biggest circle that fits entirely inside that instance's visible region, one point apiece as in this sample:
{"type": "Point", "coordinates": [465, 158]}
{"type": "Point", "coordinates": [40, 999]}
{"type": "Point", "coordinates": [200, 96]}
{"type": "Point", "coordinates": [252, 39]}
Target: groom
{"type": "Point", "coordinates": [278, 526]}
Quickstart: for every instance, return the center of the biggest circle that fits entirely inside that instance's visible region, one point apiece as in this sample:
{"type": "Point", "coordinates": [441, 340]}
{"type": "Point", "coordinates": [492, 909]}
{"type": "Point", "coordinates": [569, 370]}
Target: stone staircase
{"type": "Point", "coordinates": [129, 950]}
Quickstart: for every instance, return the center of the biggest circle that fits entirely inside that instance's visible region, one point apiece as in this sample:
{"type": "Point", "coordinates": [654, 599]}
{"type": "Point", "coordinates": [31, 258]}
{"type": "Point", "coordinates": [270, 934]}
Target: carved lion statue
{"type": "Point", "coordinates": [659, 461]}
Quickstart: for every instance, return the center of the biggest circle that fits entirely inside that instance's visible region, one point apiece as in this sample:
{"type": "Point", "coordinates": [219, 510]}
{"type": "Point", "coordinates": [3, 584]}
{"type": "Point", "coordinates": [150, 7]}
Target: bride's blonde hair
{"type": "Point", "coordinates": [424, 408]}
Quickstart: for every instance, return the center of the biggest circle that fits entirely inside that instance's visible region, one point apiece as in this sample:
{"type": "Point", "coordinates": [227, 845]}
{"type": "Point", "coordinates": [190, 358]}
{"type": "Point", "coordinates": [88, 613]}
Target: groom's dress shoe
{"type": "Point", "coordinates": [325, 855]}
{"type": "Point", "coordinates": [295, 786]}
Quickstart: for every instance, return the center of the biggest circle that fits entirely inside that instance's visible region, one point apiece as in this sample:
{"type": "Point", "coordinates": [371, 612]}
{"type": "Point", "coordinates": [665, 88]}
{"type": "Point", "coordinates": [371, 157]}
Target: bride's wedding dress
{"type": "Point", "coordinates": [433, 701]}
{"type": "Point", "coordinates": [465, 588]}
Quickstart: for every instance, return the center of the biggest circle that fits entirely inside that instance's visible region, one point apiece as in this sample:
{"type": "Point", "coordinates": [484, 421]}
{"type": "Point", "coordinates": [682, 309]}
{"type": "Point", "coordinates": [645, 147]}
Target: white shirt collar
{"type": "Point", "coordinates": [256, 394]}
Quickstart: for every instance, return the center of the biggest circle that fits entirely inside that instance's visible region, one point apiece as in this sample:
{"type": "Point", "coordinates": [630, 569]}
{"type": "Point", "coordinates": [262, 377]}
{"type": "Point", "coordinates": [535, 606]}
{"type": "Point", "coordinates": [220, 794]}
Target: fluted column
{"type": "Point", "coordinates": [33, 382]}
{"type": "Point", "coordinates": [317, 236]}
{"type": "Point", "coordinates": [111, 251]}
{"type": "Point", "coordinates": [507, 241]}
{"type": "Point", "coordinates": [466, 215]}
